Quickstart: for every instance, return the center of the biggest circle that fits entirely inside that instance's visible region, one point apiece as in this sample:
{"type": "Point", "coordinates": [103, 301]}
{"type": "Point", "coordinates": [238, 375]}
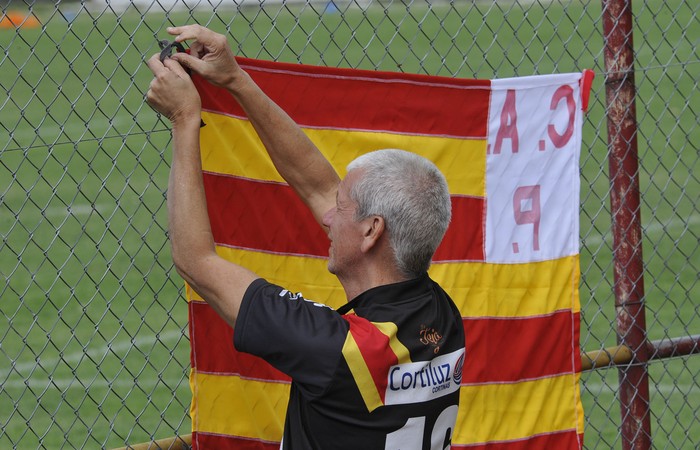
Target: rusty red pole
{"type": "Point", "coordinates": [627, 235]}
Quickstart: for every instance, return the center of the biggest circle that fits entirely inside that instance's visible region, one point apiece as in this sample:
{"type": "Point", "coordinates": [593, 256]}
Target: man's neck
{"type": "Point", "coordinates": [364, 280]}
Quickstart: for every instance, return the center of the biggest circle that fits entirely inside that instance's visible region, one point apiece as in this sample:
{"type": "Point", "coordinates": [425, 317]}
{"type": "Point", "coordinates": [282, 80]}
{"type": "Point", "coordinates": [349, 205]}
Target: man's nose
{"type": "Point", "coordinates": [328, 217]}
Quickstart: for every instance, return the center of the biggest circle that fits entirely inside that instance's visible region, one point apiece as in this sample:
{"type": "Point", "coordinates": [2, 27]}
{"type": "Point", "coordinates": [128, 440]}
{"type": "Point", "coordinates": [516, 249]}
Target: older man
{"type": "Point", "coordinates": [382, 371]}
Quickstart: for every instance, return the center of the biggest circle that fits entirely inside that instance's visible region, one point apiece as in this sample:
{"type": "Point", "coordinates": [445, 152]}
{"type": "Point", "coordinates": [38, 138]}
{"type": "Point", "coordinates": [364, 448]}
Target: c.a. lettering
{"type": "Point", "coordinates": [508, 128]}
{"type": "Point", "coordinates": [563, 93]}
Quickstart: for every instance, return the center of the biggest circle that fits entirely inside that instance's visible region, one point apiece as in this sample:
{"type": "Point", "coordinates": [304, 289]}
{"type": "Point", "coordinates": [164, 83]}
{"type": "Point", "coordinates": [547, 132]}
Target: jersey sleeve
{"type": "Point", "coordinates": [299, 337]}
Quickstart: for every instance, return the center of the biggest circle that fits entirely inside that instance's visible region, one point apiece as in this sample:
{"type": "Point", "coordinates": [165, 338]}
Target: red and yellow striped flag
{"type": "Point", "coordinates": [510, 151]}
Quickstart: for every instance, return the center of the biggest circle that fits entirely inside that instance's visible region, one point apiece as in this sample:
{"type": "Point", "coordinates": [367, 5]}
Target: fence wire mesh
{"type": "Point", "coordinates": [93, 342]}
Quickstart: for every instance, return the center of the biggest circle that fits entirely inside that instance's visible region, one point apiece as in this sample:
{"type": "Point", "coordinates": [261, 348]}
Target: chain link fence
{"type": "Point", "coordinates": [93, 338]}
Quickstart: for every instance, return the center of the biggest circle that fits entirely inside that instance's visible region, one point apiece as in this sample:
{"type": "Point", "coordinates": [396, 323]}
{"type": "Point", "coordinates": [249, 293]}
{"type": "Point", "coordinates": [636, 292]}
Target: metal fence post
{"type": "Point", "coordinates": [626, 222]}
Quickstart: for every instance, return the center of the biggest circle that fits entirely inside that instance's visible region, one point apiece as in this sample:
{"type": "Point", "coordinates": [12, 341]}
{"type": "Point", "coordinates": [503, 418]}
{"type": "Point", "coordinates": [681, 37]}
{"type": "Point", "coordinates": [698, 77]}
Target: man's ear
{"type": "Point", "coordinates": [374, 228]}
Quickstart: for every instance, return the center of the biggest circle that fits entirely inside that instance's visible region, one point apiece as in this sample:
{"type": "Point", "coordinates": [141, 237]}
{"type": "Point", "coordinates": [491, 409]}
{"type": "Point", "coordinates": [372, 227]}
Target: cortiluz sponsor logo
{"type": "Point", "coordinates": [422, 381]}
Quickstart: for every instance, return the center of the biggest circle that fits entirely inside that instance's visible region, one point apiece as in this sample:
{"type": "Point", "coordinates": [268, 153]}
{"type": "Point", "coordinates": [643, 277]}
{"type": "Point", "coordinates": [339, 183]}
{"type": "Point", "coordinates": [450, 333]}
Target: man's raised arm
{"type": "Point", "coordinates": [296, 158]}
{"type": "Point", "coordinates": [221, 283]}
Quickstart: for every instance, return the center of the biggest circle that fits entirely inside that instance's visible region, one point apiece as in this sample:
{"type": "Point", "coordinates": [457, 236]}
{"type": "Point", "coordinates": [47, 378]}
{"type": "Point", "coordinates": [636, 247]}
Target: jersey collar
{"type": "Point", "coordinates": [388, 293]}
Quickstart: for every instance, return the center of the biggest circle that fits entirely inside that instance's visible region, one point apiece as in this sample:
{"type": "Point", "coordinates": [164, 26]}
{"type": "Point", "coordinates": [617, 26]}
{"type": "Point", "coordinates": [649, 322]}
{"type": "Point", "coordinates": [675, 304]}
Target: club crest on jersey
{"type": "Point", "coordinates": [423, 381]}
{"type": "Point", "coordinates": [430, 336]}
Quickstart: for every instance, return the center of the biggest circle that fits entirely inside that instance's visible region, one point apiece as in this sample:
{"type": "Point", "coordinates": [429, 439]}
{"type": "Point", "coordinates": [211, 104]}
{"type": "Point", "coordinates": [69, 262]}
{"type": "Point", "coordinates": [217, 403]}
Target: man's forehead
{"type": "Point", "coordinates": [346, 183]}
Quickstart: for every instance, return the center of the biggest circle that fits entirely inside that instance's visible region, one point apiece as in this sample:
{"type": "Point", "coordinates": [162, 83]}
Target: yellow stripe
{"type": "Point", "coordinates": [361, 374]}
{"type": "Point", "coordinates": [194, 405]}
{"type": "Point", "coordinates": [233, 406]}
{"type": "Point", "coordinates": [463, 161]}
{"type": "Point", "coordinates": [390, 330]}
{"type": "Point", "coordinates": [307, 275]}
{"type": "Point", "coordinates": [231, 146]}
{"type": "Point", "coordinates": [478, 289]}
{"type": "Point", "coordinates": [511, 290]}
{"type": "Point", "coordinates": [504, 412]}
{"type": "Point", "coordinates": [576, 394]}
{"type": "Point", "coordinates": [191, 295]}
{"type": "Point", "coordinates": [236, 407]}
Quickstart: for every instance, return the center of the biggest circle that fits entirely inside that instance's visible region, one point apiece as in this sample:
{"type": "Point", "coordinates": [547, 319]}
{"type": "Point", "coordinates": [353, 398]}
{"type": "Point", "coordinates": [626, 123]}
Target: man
{"type": "Point", "coordinates": [384, 370]}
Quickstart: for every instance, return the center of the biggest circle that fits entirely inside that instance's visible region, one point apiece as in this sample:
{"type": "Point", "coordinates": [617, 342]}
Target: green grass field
{"type": "Point", "coordinates": [92, 350]}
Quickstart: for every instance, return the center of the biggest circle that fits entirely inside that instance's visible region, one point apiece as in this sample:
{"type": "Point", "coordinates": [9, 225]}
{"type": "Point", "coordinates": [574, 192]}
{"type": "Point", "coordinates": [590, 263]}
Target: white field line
{"type": "Point", "coordinates": [98, 353]}
{"type": "Point", "coordinates": [64, 384]}
{"type": "Point", "coordinates": [597, 388]}
{"type": "Point", "coordinates": [76, 209]}
{"type": "Point", "coordinates": [596, 238]}
{"type": "Point", "coordinates": [72, 128]}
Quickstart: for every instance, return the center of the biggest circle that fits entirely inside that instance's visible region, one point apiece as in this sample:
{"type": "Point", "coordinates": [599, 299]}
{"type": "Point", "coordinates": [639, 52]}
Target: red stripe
{"type": "Point", "coordinates": [375, 350]}
{"type": "Point", "coordinates": [205, 441]}
{"type": "Point", "coordinates": [576, 338]}
{"type": "Point", "coordinates": [213, 340]}
{"type": "Point", "coordinates": [263, 216]}
{"type": "Point", "coordinates": [365, 100]}
{"type": "Point", "coordinates": [568, 439]}
{"type": "Point", "coordinates": [270, 217]}
{"type": "Point", "coordinates": [464, 239]}
{"type": "Point", "coordinates": [515, 349]}
{"type": "Point", "coordinates": [498, 350]}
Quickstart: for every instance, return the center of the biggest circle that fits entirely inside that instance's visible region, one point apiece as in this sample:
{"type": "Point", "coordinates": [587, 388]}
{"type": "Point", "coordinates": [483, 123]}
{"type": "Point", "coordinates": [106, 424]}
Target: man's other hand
{"type": "Point", "coordinates": [210, 55]}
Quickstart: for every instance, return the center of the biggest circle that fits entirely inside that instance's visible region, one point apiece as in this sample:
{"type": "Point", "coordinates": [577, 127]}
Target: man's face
{"type": "Point", "coordinates": [343, 231]}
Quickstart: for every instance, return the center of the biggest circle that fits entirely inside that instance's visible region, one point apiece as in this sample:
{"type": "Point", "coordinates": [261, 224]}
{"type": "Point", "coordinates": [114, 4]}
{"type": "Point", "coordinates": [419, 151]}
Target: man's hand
{"type": "Point", "coordinates": [210, 55]}
{"type": "Point", "coordinates": [294, 155]}
{"type": "Point", "coordinates": [172, 92]}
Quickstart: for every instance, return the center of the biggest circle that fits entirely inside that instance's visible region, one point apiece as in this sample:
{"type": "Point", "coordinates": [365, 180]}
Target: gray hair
{"type": "Point", "coordinates": [411, 194]}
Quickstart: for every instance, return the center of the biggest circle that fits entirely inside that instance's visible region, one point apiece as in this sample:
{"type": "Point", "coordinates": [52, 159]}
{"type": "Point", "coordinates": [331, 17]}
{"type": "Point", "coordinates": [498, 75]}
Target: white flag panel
{"type": "Point", "coordinates": [532, 168]}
